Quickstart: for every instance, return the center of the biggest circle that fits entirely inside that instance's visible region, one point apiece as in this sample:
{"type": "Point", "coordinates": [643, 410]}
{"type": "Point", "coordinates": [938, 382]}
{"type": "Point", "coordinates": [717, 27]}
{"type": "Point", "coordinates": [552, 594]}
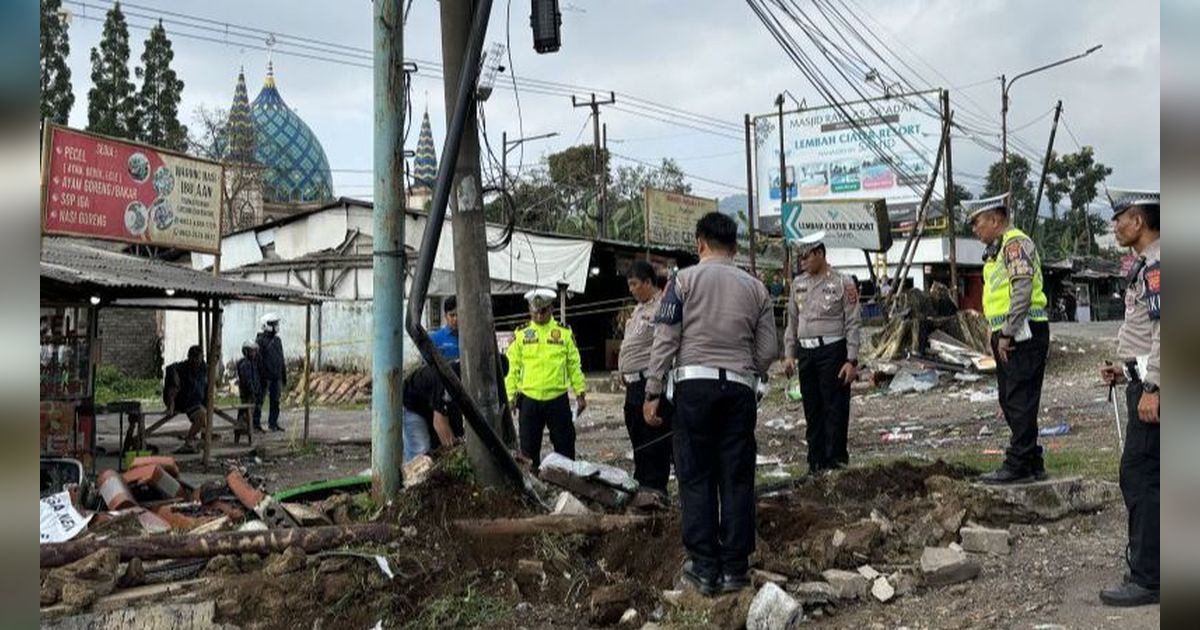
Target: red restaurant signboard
{"type": "Point", "coordinates": [99, 187]}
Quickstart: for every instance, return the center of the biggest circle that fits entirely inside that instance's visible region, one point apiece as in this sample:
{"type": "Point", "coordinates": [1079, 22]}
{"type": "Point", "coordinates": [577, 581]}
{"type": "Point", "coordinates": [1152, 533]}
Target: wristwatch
{"type": "Point", "coordinates": [1149, 388]}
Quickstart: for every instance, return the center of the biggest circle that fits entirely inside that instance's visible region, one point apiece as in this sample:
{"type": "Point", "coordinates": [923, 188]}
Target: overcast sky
{"type": "Point", "coordinates": [711, 57]}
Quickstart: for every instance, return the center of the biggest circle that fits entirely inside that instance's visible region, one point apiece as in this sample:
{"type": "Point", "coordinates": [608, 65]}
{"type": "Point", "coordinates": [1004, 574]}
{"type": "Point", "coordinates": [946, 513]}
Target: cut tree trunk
{"type": "Point", "coordinates": [549, 524]}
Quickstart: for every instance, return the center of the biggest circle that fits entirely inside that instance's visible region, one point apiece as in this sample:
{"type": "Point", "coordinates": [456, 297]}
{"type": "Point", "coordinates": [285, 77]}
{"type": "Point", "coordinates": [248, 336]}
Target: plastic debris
{"type": "Point", "coordinates": [1061, 429]}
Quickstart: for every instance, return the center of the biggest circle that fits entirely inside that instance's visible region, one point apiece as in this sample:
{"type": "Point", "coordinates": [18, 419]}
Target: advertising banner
{"type": "Point", "coordinates": [98, 187]}
{"type": "Point", "coordinates": [671, 217]}
{"type": "Point", "coordinates": [852, 223]}
{"type": "Point", "coordinates": [827, 156]}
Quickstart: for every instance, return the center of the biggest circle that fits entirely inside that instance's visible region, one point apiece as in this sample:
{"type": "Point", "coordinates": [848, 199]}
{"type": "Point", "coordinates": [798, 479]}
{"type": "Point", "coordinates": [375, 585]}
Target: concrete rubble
{"type": "Point", "coordinates": [773, 609]}
{"type": "Point", "coordinates": [847, 584]}
{"type": "Point", "coordinates": [882, 590]}
{"type": "Point", "coordinates": [985, 540]}
{"type": "Point", "coordinates": [944, 565]}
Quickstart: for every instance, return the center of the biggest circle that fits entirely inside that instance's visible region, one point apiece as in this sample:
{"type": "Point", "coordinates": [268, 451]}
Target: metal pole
{"type": "Point", "coordinates": [387, 364]}
{"type": "Point", "coordinates": [783, 189]}
{"type": "Point", "coordinates": [1004, 131]}
{"type": "Point", "coordinates": [214, 372]}
{"type": "Point", "coordinates": [750, 198]}
{"type": "Point", "coordinates": [949, 202]}
{"type": "Point", "coordinates": [1045, 167]}
{"type": "Point", "coordinates": [307, 364]}
{"type": "Point", "coordinates": [504, 162]}
{"type": "Point", "coordinates": [562, 302]}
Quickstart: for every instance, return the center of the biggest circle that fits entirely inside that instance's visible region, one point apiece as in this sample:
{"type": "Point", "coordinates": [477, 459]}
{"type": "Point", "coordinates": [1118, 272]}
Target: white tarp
{"type": "Point", "coordinates": [529, 260]}
{"type": "Point", "coordinates": [60, 521]}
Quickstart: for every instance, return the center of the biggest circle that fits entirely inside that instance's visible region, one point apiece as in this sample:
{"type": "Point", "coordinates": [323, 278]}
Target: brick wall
{"type": "Point", "coordinates": [129, 340]}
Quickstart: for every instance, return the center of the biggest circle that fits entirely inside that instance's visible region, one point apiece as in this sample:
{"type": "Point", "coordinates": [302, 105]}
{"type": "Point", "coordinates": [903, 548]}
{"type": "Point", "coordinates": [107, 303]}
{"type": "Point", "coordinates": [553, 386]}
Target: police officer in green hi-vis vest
{"type": "Point", "coordinates": [1015, 307]}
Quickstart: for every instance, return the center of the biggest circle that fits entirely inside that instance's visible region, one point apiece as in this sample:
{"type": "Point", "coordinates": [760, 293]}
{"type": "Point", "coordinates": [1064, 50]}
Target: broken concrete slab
{"type": "Point", "coordinates": [904, 583]}
{"type": "Point", "coordinates": [568, 504]}
{"type": "Point", "coordinates": [1048, 500]}
{"type": "Point", "coordinates": [590, 489]}
{"type": "Point", "coordinates": [847, 584]}
{"type": "Point", "coordinates": [173, 616]}
{"type": "Point", "coordinates": [813, 593]}
{"type": "Point", "coordinates": [882, 590]}
{"type": "Point", "coordinates": [868, 572]}
{"type": "Point", "coordinates": [773, 609]}
{"type": "Point", "coordinates": [942, 565]}
{"type": "Point", "coordinates": [985, 540]}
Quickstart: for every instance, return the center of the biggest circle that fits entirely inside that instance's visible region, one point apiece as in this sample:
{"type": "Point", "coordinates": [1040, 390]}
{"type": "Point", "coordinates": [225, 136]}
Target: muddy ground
{"type": "Point", "coordinates": [1049, 580]}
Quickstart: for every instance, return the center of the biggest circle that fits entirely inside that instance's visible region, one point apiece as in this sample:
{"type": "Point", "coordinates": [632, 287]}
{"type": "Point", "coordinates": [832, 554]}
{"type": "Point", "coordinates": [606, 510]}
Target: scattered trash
{"type": "Point", "coordinates": [985, 431]}
{"type": "Point", "coordinates": [987, 395]}
{"type": "Point", "coordinates": [1061, 429]}
{"type": "Point", "coordinates": [890, 437]}
{"type": "Point", "coordinates": [779, 424]}
{"type": "Point", "coordinates": [60, 521]}
{"type": "Point", "coordinates": [967, 377]}
{"type": "Point", "coordinates": [908, 380]}
{"type": "Point", "coordinates": [767, 460]}
{"type": "Point", "coordinates": [793, 390]}
{"type": "Point", "coordinates": [991, 451]}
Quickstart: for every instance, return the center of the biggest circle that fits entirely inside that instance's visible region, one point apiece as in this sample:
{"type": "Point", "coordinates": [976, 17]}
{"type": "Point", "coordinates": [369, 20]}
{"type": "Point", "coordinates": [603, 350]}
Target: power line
{"type": "Point", "coordinates": [688, 175]}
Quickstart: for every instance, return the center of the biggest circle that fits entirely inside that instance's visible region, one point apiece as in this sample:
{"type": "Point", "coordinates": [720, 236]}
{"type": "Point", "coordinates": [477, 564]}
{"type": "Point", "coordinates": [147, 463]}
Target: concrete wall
{"type": "Point", "coordinates": [129, 340]}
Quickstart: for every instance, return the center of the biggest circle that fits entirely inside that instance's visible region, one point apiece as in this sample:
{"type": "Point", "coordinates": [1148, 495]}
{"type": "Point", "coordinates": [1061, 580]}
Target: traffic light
{"type": "Point", "coordinates": [545, 18]}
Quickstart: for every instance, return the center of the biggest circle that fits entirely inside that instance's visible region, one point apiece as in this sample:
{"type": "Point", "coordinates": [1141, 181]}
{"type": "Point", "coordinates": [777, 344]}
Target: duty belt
{"type": "Point", "coordinates": [633, 377]}
{"type": "Point", "coordinates": [809, 343]}
{"type": "Point", "coordinates": [697, 372]}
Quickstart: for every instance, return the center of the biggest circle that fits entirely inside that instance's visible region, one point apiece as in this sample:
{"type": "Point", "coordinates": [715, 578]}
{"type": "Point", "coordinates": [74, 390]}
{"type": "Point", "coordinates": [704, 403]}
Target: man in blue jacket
{"type": "Point", "coordinates": [446, 337]}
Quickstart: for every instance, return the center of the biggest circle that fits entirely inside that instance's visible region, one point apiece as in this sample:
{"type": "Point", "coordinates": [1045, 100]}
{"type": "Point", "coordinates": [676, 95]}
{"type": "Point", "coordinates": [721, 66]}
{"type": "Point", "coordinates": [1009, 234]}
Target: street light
{"type": "Point", "coordinates": [1006, 85]}
{"type": "Point", "coordinates": [508, 147]}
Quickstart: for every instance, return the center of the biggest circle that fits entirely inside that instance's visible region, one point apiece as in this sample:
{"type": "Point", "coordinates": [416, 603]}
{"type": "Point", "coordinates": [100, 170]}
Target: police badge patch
{"type": "Point", "coordinates": [1017, 260]}
{"type": "Point", "coordinates": [1154, 290]}
{"type": "Point", "coordinates": [530, 335]}
{"type": "Point", "coordinates": [670, 310]}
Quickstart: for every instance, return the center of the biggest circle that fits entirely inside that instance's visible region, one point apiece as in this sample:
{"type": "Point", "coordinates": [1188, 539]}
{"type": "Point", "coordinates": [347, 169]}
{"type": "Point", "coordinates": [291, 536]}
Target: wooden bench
{"type": "Point", "coordinates": [138, 431]}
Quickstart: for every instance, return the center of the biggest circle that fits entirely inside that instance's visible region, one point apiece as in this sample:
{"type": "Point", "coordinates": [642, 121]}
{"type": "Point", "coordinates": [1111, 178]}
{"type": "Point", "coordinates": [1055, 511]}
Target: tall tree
{"type": "Point", "coordinates": [57, 97]}
{"type": "Point", "coordinates": [1020, 184]}
{"type": "Point", "coordinates": [959, 194]}
{"type": "Point", "coordinates": [112, 104]}
{"type": "Point", "coordinates": [158, 101]}
{"type": "Point", "coordinates": [1077, 177]}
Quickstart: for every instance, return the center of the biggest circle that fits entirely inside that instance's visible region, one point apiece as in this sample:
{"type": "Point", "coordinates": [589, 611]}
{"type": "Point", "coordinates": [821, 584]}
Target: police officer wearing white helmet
{"type": "Point", "coordinates": [273, 370]}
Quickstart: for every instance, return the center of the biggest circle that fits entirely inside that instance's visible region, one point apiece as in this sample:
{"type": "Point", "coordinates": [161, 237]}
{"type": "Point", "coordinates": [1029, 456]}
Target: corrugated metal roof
{"type": "Point", "coordinates": [75, 263]}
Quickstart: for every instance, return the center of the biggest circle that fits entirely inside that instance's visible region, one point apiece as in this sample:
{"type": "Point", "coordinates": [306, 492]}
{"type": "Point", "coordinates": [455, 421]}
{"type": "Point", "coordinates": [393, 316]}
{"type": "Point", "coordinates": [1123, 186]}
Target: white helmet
{"type": "Point", "coordinates": [269, 321]}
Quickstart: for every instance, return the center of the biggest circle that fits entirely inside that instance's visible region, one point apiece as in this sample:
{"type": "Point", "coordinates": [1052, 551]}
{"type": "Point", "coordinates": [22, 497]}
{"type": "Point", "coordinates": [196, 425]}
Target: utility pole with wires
{"type": "Point", "coordinates": [602, 219]}
{"type": "Point", "coordinates": [1037, 202]}
{"type": "Point", "coordinates": [948, 197]}
{"type": "Point", "coordinates": [472, 276]}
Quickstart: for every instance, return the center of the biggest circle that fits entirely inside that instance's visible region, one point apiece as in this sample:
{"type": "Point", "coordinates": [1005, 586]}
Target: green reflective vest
{"type": "Point", "coordinates": [543, 362]}
{"type": "Point", "coordinates": [997, 286]}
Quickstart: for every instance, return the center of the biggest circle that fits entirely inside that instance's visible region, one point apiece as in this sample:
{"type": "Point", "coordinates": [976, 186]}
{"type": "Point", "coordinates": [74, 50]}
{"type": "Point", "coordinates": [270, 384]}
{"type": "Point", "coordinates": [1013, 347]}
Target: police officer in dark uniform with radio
{"type": "Point", "coordinates": [1135, 224]}
{"type": "Point", "coordinates": [714, 340]}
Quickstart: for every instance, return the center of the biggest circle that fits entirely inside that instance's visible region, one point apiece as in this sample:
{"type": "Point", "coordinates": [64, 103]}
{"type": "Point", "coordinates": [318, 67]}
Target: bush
{"type": "Point", "coordinates": [112, 385]}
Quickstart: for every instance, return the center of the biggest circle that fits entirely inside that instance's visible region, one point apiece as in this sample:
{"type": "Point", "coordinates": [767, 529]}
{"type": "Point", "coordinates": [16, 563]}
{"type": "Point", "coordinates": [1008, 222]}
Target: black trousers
{"type": "Point", "coordinates": [826, 404]}
{"type": "Point", "coordinates": [535, 416]}
{"type": "Point", "coordinates": [1019, 381]}
{"type": "Point", "coordinates": [651, 446]}
{"type": "Point", "coordinates": [714, 462]}
{"type": "Point", "coordinates": [1139, 487]}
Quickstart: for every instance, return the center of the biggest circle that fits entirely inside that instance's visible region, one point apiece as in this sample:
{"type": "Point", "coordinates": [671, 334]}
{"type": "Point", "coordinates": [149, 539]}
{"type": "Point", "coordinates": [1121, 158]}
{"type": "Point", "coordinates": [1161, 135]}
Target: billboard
{"type": "Point", "coordinates": [828, 157]}
{"type": "Point", "coordinates": [853, 223]}
{"type": "Point", "coordinates": [99, 187]}
{"type": "Point", "coordinates": [671, 217]}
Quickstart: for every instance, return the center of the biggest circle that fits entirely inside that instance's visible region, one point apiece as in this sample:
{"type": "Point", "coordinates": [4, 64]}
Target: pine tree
{"type": "Point", "coordinates": [158, 102]}
{"type": "Point", "coordinates": [57, 98]}
{"type": "Point", "coordinates": [112, 105]}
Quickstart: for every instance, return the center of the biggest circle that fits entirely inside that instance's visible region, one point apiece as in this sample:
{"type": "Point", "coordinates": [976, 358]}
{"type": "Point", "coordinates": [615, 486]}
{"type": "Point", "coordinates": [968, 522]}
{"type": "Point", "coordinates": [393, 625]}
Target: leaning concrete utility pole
{"type": "Point", "coordinates": [476, 329]}
{"type": "Point", "coordinates": [387, 361]}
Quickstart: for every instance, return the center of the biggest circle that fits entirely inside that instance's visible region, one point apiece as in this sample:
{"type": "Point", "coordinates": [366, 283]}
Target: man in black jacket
{"type": "Point", "coordinates": [273, 370]}
{"type": "Point", "coordinates": [249, 377]}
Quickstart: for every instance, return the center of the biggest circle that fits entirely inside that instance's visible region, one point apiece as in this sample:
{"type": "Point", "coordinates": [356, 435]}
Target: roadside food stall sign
{"type": "Point", "coordinates": [99, 187]}
{"type": "Point", "coordinates": [671, 217]}
{"type": "Point", "coordinates": [850, 223]}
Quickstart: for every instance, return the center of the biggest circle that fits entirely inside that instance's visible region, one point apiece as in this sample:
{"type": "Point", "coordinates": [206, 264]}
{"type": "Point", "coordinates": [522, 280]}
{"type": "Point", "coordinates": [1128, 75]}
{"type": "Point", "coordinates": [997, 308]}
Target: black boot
{"type": "Point", "coordinates": [1004, 475]}
{"type": "Point", "coordinates": [1129, 594]}
{"type": "Point", "coordinates": [707, 585]}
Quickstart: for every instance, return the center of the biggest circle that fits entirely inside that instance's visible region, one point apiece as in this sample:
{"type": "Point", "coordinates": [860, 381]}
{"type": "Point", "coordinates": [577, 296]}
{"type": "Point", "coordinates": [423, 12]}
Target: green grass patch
{"type": "Point", "coordinates": [686, 618]}
{"type": "Point", "coordinates": [469, 610]}
{"type": "Point", "coordinates": [113, 385]}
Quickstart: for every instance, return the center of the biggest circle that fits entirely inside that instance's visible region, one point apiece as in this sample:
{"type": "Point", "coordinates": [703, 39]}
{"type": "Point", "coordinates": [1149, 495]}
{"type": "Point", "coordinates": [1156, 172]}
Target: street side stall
{"type": "Point", "coordinates": [78, 280]}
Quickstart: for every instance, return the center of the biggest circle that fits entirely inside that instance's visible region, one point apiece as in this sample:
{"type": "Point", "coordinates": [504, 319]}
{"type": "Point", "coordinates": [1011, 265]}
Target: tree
{"type": "Point", "coordinates": [215, 139]}
{"type": "Point", "coordinates": [57, 97]}
{"type": "Point", "coordinates": [158, 101]}
{"type": "Point", "coordinates": [1077, 178]}
{"type": "Point", "coordinates": [1020, 184]}
{"type": "Point", "coordinates": [959, 194]}
{"type": "Point", "coordinates": [112, 105]}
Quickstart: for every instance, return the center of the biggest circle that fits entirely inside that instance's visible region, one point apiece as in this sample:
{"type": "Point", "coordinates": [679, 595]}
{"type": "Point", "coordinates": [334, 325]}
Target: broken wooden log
{"type": "Point", "coordinates": [172, 546]}
{"type": "Point", "coordinates": [549, 524]}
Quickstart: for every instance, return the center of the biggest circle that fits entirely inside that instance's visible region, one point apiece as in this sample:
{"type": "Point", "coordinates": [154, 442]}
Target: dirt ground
{"type": "Point", "coordinates": [1049, 580]}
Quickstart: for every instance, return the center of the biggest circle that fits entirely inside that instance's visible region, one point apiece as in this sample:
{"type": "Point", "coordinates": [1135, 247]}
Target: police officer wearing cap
{"type": "Point", "coordinates": [1015, 307]}
{"type": "Point", "coordinates": [651, 445]}
{"type": "Point", "coordinates": [543, 365]}
{"type": "Point", "coordinates": [715, 337]}
{"type": "Point", "coordinates": [1135, 224]}
{"type": "Point", "coordinates": [822, 338]}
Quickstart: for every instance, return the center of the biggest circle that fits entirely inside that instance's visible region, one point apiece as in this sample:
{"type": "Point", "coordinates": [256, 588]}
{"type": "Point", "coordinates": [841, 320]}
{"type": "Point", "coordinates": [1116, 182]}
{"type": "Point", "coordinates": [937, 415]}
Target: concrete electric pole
{"type": "Point", "coordinates": [477, 337]}
{"type": "Point", "coordinates": [598, 168]}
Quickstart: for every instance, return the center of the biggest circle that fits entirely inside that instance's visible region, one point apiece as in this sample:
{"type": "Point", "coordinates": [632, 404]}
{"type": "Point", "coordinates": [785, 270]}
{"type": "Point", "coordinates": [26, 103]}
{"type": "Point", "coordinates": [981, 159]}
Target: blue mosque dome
{"type": "Point", "coordinates": [296, 167]}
